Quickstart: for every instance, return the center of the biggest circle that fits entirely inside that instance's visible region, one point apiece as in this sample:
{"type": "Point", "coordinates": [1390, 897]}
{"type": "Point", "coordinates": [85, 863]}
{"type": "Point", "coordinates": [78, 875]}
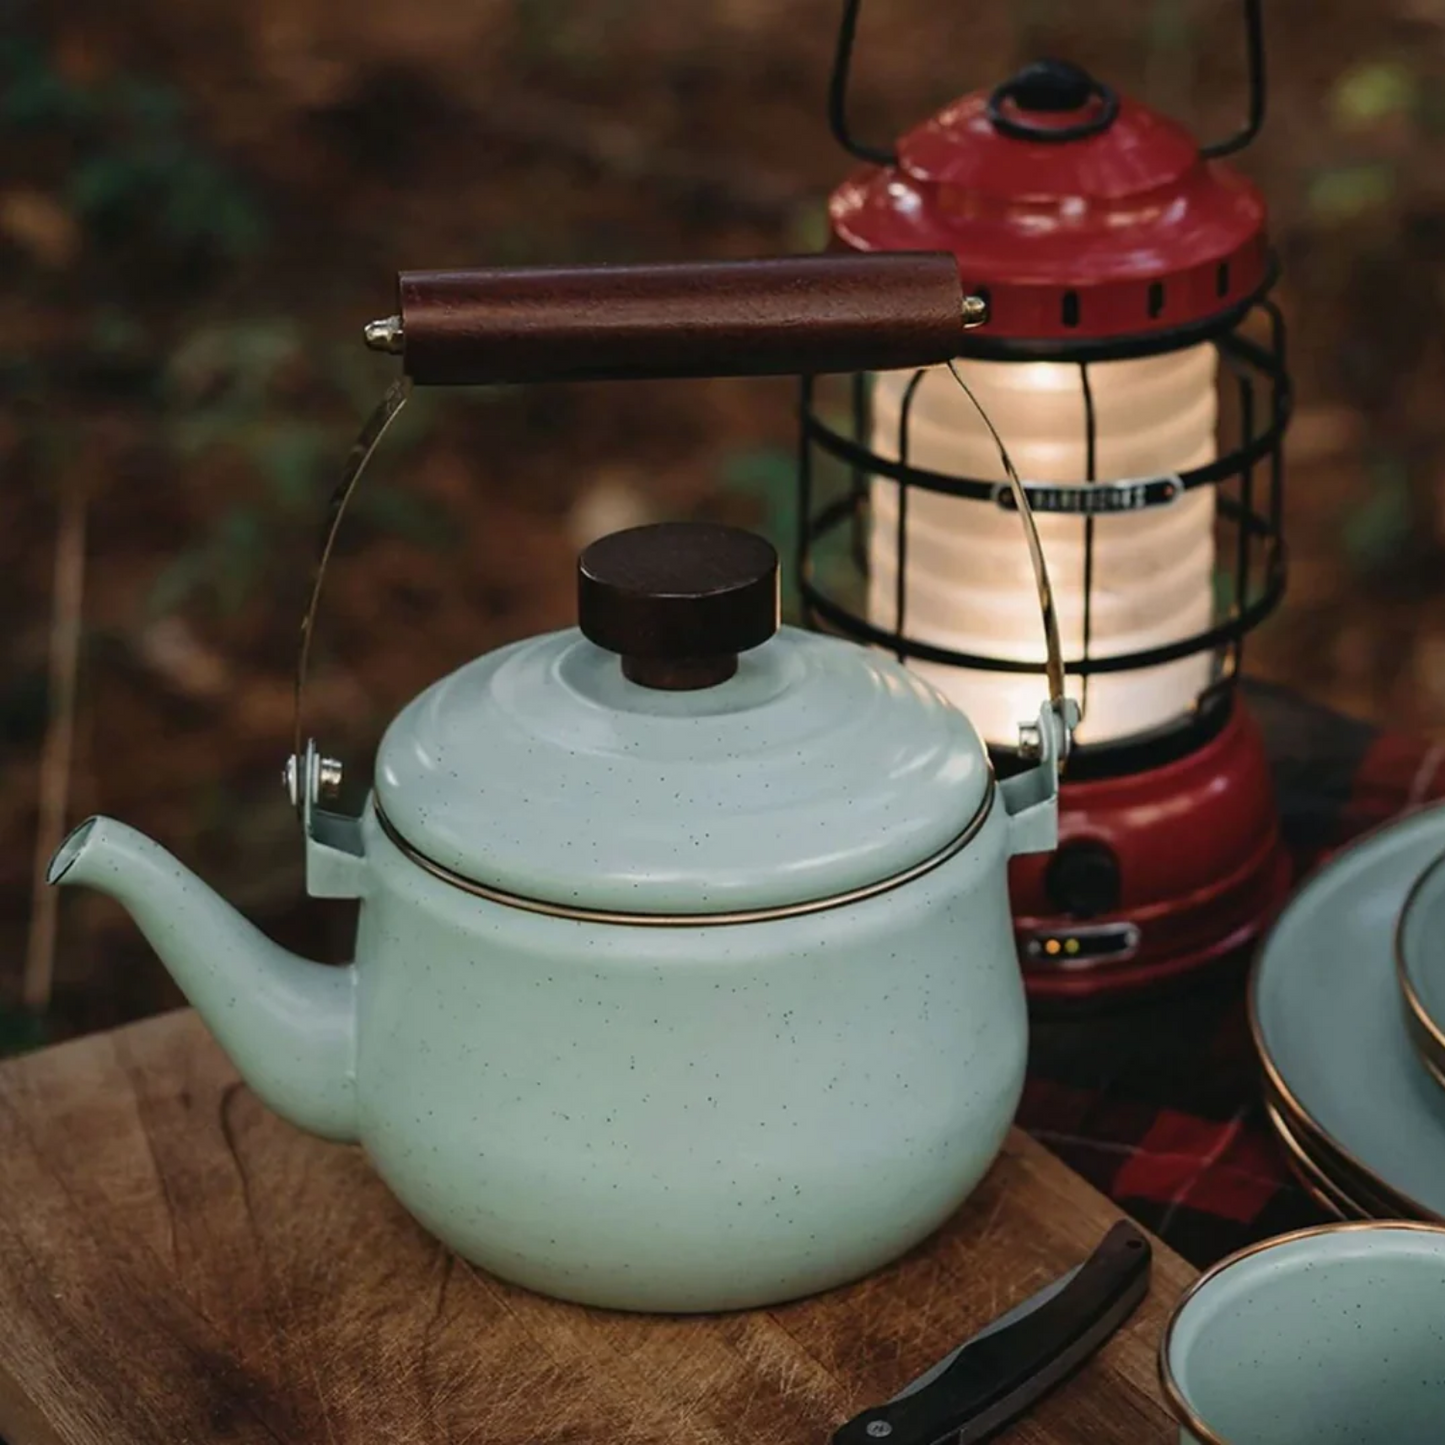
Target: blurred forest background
{"type": "Point", "coordinates": [201, 204]}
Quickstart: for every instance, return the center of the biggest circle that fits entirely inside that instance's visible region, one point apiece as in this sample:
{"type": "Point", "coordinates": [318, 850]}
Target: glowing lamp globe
{"type": "Point", "coordinates": [1133, 365]}
{"type": "Point", "coordinates": [966, 584]}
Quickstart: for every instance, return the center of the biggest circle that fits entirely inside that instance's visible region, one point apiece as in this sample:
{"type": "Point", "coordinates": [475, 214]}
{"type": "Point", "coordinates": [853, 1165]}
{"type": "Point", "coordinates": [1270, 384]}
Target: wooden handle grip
{"type": "Point", "coordinates": [795, 316]}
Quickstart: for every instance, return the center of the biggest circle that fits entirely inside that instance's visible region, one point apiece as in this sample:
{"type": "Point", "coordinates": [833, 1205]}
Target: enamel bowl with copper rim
{"type": "Point", "coordinates": [1328, 1336]}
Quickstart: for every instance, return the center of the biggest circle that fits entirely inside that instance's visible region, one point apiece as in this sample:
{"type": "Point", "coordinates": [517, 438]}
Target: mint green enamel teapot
{"type": "Point", "coordinates": [684, 976]}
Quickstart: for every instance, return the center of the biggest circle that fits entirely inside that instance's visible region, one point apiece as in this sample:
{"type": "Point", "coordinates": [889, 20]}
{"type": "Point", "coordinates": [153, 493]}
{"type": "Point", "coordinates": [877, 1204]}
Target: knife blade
{"type": "Point", "coordinates": [994, 1376]}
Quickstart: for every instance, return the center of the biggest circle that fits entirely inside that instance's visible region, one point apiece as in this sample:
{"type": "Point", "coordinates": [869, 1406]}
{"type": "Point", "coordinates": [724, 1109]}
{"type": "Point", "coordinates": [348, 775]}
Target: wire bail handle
{"type": "Point", "coordinates": [308, 777]}
{"type": "Point", "coordinates": [1063, 712]}
{"type": "Point", "coordinates": [781, 316]}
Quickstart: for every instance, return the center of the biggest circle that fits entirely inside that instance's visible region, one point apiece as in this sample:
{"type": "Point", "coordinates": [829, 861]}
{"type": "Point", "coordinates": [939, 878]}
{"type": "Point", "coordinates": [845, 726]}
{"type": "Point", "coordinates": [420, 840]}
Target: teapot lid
{"type": "Point", "coordinates": [726, 765]}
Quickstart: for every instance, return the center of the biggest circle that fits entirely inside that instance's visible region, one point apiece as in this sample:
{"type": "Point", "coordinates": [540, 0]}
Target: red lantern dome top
{"type": "Point", "coordinates": [1082, 217]}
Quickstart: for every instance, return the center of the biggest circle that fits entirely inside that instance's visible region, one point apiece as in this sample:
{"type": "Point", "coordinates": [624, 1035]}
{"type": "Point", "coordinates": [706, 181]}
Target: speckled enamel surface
{"type": "Point", "coordinates": [1332, 1339]}
{"type": "Point", "coordinates": [673, 1118]}
{"type": "Point", "coordinates": [700, 1118]}
{"type": "Point", "coordinates": [540, 770]}
{"type": "Point", "coordinates": [288, 1025]}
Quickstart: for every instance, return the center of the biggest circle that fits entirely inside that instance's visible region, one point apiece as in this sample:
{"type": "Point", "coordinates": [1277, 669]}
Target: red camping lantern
{"type": "Point", "coordinates": [1134, 365]}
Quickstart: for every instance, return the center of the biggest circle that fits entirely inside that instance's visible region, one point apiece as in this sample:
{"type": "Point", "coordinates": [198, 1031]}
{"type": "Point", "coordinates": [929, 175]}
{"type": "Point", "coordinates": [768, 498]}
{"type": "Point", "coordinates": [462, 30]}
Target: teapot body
{"type": "Point", "coordinates": [685, 1117]}
{"type": "Point", "coordinates": [685, 977]}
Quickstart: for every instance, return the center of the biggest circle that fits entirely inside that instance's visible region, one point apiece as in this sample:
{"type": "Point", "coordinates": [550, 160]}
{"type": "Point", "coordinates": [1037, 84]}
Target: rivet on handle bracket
{"type": "Point", "coordinates": [335, 850]}
{"type": "Point", "coordinates": [323, 776]}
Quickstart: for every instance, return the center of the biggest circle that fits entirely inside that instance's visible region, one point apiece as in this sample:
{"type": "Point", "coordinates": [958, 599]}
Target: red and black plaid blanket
{"type": "Point", "coordinates": [1158, 1103]}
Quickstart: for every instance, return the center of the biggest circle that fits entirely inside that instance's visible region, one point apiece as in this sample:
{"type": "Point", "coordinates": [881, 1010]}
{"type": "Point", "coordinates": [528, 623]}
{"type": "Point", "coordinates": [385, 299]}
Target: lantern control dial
{"type": "Point", "coordinates": [678, 600]}
{"type": "Point", "coordinates": [1083, 879]}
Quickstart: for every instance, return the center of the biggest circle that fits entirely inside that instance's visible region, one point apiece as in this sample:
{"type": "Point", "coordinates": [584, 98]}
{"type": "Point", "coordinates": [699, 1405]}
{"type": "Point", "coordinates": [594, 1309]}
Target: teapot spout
{"type": "Point", "coordinates": [288, 1024]}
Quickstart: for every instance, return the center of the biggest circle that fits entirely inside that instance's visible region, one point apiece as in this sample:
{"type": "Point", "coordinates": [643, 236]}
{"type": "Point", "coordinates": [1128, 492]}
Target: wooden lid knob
{"type": "Point", "coordinates": [678, 601]}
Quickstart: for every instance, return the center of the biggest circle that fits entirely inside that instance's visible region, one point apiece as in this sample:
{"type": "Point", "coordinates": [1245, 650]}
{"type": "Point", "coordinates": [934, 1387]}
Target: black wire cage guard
{"type": "Point", "coordinates": [832, 557]}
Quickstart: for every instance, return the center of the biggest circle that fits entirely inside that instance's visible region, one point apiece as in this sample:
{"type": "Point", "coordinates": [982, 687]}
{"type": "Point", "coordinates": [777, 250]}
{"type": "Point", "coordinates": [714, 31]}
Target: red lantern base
{"type": "Point", "coordinates": [1158, 875]}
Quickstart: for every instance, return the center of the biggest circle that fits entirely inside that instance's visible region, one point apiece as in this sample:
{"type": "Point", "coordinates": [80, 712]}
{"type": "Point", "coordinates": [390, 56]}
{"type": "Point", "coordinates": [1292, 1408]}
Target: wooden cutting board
{"type": "Point", "coordinates": [178, 1265]}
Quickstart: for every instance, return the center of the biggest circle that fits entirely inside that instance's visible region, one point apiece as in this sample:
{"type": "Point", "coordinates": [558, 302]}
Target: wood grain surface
{"type": "Point", "coordinates": [178, 1265]}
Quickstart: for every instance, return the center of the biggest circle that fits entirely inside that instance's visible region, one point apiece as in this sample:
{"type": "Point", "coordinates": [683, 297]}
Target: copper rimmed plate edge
{"type": "Point", "coordinates": [1345, 1161]}
{"type": "Point", "coordinates": [1374, 1198]}
{"type": "Point", "coordinates": [1333, 1210]}
{"type": "Point", "coordinates": [1426, 1032]}
{"type": "Point", "coordinates": [1311, 1175]}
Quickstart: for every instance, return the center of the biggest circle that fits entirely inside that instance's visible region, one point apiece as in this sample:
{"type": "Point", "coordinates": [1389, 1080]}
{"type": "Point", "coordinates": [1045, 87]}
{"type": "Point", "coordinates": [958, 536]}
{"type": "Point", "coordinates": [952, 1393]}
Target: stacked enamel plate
{"type": "Point", "coordinates": [1347, 1004]}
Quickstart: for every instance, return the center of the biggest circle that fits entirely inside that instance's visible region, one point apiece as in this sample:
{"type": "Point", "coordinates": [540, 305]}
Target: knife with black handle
{"type": "Point", "coordinates": [993, 1378]}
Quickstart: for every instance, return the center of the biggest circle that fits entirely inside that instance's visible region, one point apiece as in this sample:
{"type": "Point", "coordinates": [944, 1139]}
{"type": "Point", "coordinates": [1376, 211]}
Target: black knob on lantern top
{"type": "Point", "coordinates": [678, 601]}
{"type": "Point", "coordinates": [1051, 85]}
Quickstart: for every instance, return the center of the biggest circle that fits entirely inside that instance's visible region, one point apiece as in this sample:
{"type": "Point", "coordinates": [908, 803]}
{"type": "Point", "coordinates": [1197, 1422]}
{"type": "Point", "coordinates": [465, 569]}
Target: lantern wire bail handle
{"type": "Point", "coordinates": [1254, 50]}
{"type": "Point", "coordinates": [843, 65]}
{"type": "Point", "coordinates": [838, 93]}
{"type": "Point", "coordinates": [1065, 711]}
